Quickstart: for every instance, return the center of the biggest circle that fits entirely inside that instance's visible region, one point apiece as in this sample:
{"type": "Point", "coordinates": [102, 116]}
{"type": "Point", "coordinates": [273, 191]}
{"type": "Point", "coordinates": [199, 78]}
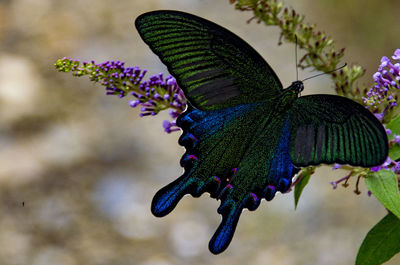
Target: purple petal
{"type": "Point", "coordinates": [134, 103]}
{"type": "Point", "coordinates": [166, 124]}
{"type": "Point", "coordinates": [384, 61]}
{"type": "Point", "coordinates": [396, 55]}
{"type": "Point", "coordinates": [376, 169]}
{"type": "Point", "coordinates": [379, 116]}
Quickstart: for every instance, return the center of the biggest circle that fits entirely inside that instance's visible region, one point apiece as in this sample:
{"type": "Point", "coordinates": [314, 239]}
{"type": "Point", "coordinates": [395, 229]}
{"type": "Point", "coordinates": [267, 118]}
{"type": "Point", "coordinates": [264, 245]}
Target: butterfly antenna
{"type": "Point", "coordinates": [295, 56]}
{"type": "Point", "coordinates": [325, 72]}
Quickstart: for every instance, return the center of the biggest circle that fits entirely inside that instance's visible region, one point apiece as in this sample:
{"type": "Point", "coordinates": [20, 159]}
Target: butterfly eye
{"type": "Point", "coordinates": [298, 86]}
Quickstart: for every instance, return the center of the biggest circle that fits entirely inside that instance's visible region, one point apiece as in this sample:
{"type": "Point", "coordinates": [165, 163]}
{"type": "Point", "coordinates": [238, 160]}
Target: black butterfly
{"type": "Point", "coordinates": [245, 136]}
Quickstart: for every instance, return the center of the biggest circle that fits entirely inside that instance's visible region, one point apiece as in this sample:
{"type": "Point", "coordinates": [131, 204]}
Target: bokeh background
{"type": "Point", "coordinates": [86, 167]}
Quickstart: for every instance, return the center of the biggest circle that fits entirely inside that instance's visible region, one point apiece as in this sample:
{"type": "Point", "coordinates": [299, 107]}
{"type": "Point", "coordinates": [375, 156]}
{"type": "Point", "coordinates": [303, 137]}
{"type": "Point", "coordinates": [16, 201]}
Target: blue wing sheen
{"type": "Point", "coordinates": [281, 164]}
{"type": "Point", "coordinates": [270, 172]}
{"type": "Point", "coordinates": [206, 136]}
{"type": "Point", "coordinates": [233, 154]}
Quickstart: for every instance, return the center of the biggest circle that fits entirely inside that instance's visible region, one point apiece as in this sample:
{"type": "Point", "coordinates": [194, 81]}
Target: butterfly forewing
{"type": "Point", "coordinates": [213, 66]}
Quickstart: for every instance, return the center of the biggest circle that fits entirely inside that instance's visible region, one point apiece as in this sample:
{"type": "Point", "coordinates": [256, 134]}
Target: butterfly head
{"type": "Point", "coordinates": [297, 86]}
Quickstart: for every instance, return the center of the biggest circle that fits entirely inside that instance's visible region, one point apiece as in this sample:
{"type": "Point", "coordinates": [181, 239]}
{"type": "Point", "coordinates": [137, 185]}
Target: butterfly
{"type": "Point", "coordinates": [245, 136]}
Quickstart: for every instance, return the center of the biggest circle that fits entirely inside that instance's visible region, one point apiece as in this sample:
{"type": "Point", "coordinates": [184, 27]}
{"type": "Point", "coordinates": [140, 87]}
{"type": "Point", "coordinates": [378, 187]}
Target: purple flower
{"type": "Point", "coordinates": [385, 165]}
{"type": "Point", "coordinates": [334, 184]}
{"type": "Point", "coordinates": [336, 166]}
{"type": "Point", "coordinates": [396, 139]}
{"type": "Point", "coordinates": [170, 126]}
{"type": "Point", "coordinates": [376, 169]}
{"type": "Point", "coordinates": [153, 95]}
{"type": "Point", "coordinates": [387, 162]}
{"type": "Point", "coordinates": [174, 114]}
{"type": "Point", "coordinates": [387, 81]}
{"type": "Point", "coordinates": [134, 103]}
{"type": "Point", "coordinates": [396, 55]}
{"type": "Point", "coordinates": [396, 168]}
{"type": "Point", "coordinates": [379, 116]}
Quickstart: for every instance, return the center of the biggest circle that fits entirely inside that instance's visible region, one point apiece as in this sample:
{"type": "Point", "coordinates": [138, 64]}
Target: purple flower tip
{"type": "Point", "coordinates": [134, 103]}
{"type": "Point", "coordinates": [166, 124]}
{"type": "Point", "coordinates": [336, 166]}
{"type": "Point", "coordinates": [384, 61]}
{"type": "Point", "coordinates": [376, 169]}
{"type": "Point", "coordinates": [396, 168]}
{"type": "Point", "coordinates": [396, 139]}
{"type": "Point", "coordinates": [396, 55]}
{"type": "Point", "coordinates": [379, 116]}
{"type": "Point", "coordinates": [334, 184]}
{"type": "Point", "coordinates": [170, 126]}
{"type": "Point", "coordinates": [387, 162]}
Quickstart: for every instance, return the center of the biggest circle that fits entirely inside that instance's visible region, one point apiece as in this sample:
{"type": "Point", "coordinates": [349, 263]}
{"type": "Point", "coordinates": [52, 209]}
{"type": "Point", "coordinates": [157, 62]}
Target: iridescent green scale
{"type": "Point", "coordinates": [245, 136]}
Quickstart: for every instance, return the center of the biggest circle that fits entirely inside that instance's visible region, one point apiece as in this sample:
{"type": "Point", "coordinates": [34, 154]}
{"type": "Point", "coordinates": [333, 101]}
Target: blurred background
{"type": "Point", "coordinates": [78, 169]}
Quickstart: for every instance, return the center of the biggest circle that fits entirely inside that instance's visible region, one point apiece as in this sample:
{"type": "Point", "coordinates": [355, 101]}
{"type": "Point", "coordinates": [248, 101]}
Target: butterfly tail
{"type": "Point", "coordinates": [221, 239]}
{"type": "Point", "coordinates": [168, 197]}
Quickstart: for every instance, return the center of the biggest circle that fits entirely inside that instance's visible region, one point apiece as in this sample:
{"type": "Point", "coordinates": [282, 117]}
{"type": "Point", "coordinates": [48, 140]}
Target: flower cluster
{"type": "Point", "coordinates": [383, 95]}
{"type": "Point", "coordinates": [388, 164]}
{"type": "Point", "coordinates": [155, 94]}
{"type": "Point", "coordinates": [319, 50]}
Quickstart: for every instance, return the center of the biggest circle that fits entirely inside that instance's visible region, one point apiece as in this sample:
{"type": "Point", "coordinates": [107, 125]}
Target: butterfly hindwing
{"type": "Point", "coordinates": [214, 67]}
{"type": "Point", "coordinates": [208, 163]}
{"type": "Point", "coordinates": [233, 160]}
{"type": "Point", "coordinates": [333, 129]}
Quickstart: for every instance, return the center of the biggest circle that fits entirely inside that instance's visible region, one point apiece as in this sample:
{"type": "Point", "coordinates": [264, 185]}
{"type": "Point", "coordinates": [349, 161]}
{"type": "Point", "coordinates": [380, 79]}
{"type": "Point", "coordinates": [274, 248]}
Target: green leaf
{"type": "Point", "coordinates": [384, 185]}
{"type": "Point", "coordinates": [394, 152]}
{"type": "Point", "coordinates": [381, 243]}
{"type": "Point", "coordinates": [394, 126]}
{"type": "Point", "coordinates": [304, 176]}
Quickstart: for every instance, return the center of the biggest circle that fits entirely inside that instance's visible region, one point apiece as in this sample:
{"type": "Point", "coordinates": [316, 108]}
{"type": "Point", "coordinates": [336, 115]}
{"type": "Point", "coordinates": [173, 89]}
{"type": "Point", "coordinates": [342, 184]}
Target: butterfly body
{"type": "Point", "coordinates": [245, 136]}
